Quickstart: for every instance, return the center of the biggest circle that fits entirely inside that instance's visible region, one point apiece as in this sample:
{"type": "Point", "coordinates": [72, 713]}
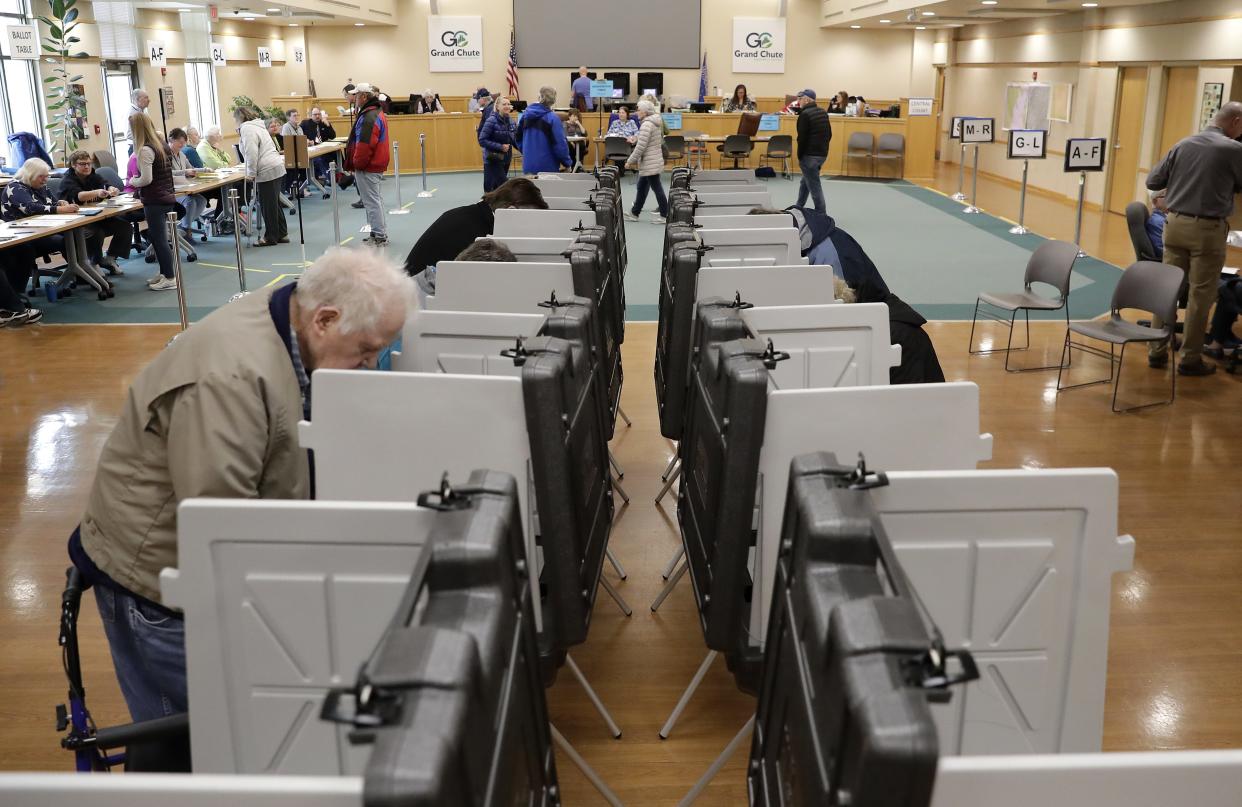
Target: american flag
{"type": "Point", "coordinates": [703, 79]}
{"type": "Point", "coordinates": [511, 74]}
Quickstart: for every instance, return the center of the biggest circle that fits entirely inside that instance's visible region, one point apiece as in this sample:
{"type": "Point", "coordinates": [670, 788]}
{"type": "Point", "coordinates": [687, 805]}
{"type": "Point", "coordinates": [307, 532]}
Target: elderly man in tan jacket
{"type": "Point", "coordinates": [216, 414]}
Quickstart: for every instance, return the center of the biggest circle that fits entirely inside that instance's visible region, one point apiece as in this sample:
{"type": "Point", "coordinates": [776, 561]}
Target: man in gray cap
{"type": "Point", "coordinates": [814, 132]}
{"type": "Point", "coordinates": [1202, 173]}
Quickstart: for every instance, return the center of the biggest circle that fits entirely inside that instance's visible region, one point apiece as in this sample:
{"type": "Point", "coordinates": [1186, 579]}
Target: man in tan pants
{"type": "Point", "coordinates": [1202, 173]}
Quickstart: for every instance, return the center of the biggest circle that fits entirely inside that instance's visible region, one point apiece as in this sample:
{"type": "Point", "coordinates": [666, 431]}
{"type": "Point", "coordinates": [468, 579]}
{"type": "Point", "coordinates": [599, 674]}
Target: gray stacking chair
{"type": "Point", "coordinates": [860, 146]}
{"type": "Point", "coordinates": [1052, 263]}
{"type": "Point", "coordinates": [780, 148]}
{"type": "Point", "coordinates": [891, 147]}
{"type": "Point", "coordinates": [1147, 286]}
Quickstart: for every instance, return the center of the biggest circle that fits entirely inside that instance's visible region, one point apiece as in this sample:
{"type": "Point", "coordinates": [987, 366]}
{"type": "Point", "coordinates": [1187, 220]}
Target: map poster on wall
{"type": "Point", "coordinates": [1027, 105]}
{"type": "Point", "coordinates": [1213, 94]}
{"type": "Point", "coordinates": [758, 45]}
{"type": "Point", "coordinates": [455, 44]}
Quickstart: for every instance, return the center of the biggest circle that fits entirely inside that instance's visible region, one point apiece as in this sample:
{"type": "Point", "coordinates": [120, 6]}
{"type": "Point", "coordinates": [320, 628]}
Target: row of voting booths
{"type": "Point", "coordinates": [916, 631]}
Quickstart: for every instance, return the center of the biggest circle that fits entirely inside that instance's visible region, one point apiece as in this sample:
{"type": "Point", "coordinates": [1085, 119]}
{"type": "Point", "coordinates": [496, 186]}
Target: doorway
{"type": "Point", "coordinates": [1127, 137]}
{"type": "Point", "coordinates": [1180, 108]}
{"type": "Point", "coordinates": [939, 107]}
{"type": "Point", "coordinates": [120, 79]}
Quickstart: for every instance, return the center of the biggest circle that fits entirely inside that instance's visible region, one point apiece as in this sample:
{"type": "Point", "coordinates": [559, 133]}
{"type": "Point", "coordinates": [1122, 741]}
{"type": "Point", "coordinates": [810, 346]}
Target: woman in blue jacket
{"type": "Point", "coordinates": [540, 136]}
{"type": "Point", "coordinates": [496, 136]}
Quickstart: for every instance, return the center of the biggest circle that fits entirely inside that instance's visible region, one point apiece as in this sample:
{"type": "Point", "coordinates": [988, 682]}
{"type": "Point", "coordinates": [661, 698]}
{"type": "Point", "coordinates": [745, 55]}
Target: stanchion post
{"type": "Point", "coordinates": [1020, 229]}
{"type": "Point", "coordinates": [176, 254]}
{"type": "Point", "coordinates": [973, 207]}
{"type": "Point", "coordinates": [399, 210]}
{"type": "Point", "coordinates": [235, 208]}
{"type": "Point", "coordinates": [336, 210]}
{"type": "Point", "coordinates": [1082, 192]}
{"type": "Point", "coordinates": [961, 176]}
{"type": "Point", "coordinates": [422, 147]}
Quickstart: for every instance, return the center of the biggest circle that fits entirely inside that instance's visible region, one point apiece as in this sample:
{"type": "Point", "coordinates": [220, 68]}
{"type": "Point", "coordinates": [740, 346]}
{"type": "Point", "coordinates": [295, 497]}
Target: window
{"type": "Point", "coordinates": [20, 109]}
{"type": "Point", "coordinates": [200, 81]}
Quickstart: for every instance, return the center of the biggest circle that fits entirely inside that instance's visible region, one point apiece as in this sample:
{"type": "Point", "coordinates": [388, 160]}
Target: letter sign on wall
{"type": "Point", "coordinates": [218, 58]}
{"type": "Point", "coordinates": [155, 51]}
{"type": "Point", "coordinates": [23, 43]}
{"type": "Point", "coordinates": [299, 54]}
{"type": "Point", "coordinates": [265, 57]}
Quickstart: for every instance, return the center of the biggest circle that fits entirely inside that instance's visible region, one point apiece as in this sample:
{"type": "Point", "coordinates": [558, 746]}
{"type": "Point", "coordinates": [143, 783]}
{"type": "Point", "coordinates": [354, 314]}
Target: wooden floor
{"type": "Point", "coordinates": [1175, 655]}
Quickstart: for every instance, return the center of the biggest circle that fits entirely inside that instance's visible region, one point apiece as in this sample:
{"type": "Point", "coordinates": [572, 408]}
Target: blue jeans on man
{"type": "Point", "coordinates": [148, 652]}
{"type": "Point", "coordinates": [810, 183]}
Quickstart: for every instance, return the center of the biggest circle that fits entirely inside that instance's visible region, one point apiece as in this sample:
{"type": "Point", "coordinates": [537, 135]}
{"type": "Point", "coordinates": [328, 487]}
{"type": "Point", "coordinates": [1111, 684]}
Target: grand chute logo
{"type": "Point", "coordinates": [454, 39]}
{"type": "Point", "coordinates": [762, 41]}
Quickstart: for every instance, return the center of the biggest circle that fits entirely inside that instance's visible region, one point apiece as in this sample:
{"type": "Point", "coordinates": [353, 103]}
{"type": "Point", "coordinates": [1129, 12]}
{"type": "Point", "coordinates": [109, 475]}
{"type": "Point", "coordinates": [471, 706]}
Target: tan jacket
{"type": "Point", "coordinates": [215, 414]}
{"type": "Point", "coordinates": [648, 153]}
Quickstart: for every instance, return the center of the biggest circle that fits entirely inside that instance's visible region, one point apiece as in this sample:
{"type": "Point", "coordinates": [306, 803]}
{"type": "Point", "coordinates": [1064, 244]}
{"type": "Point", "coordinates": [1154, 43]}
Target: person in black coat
{"type": "Point", "coordinates": [458, 228]}
{"type": "Point", "coordinates": [919, 363]}
{"type": "Point", "coordinates": [814, 135]}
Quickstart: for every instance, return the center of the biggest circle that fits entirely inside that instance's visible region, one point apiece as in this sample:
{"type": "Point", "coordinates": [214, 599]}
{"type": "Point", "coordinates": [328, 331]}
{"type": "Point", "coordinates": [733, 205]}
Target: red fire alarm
{"type": "Point", "coordinates": [97, 129]}
{"type": "Point", "coordinates": [1034, 75]}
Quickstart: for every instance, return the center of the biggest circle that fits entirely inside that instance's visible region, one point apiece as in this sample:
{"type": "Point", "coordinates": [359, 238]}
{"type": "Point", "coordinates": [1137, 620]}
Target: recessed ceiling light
{"type": "Point", "coordinates": [885, 22]}
{"type": "Point", "coordinates": [248, 19]}
{"type": "Point", "coordinates": [990, 2]}
{"type": "Point", "coordinates": [293, 25]}
{"type": "Point", "coordinates": [856, 26]}
{"type": "Point", "coordinates": [929, 13]}
{"type": "Point", "coordinates": [273, 11]}
{"type": "Point", "coordinates": [920, 27]}
{"type": "Point", "coordinates": [1089, 5]}
{"type": "Point", "coordinates": [359, 24]}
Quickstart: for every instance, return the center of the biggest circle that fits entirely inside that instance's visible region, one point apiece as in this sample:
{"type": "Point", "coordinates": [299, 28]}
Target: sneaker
{"type": "Point", "coordinates": [33, 315]}
{"type": "Point", "coordinates": [376, 241]}
{"type": "Point", "coordinates": [358, 205]}
{"type": "Point", "coordinates": [656, 218]}
{"type": "Point", "coordinates": [631, 217]}
{"type": "Point", "coordinates": [109, 263]}
{"type": "Point", "coordinates": [164, 284]}
{"type": "Point", "coordinates": [151, 281]}
{"type": "Point", "coordinates": [12, 317]}
{"type": "Point", "coordinates": [1198, 368]}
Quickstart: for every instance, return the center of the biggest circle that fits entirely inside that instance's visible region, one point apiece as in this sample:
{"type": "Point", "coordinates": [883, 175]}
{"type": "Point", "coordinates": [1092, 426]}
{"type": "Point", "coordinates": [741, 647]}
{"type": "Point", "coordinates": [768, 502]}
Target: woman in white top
{"type": "Point", "coordinates": [648, 158]}
{"type": "Point", "coordinates": [266, 167]}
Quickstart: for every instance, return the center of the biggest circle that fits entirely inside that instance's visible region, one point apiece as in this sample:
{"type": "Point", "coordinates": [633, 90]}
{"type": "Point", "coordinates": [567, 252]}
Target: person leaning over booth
{"type": "Point", "coordinates": [814, 135]}
{"type": "Point", "coordinates": [366, 155]}
{"type": "Point", "coordinates": [496, 136]}
{"type": "Point", "coordinates": [541, 136]}
{"type": "Point", "coordinates": [1202, 173]}
{"type": "Point", "coordinates": [216, 415]}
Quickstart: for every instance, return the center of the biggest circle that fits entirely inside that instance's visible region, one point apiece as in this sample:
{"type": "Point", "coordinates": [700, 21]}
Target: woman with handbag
{"type": "Point", "coordinates": [496, 136]}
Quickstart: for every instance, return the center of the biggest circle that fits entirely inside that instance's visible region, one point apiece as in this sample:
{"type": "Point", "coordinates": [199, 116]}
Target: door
{"type": "Point", "coordinates": [120, 79]}
{"type": "Point", "coordinates": [939, 107]}
{"type": "Point", "coordinates": [1180, 108]}
{"type": "Point", "coordinates": [1127, 137]}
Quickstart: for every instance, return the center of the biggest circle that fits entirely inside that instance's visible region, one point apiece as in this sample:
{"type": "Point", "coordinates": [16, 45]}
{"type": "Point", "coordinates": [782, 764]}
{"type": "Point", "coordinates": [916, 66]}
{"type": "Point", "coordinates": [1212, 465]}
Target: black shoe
{"type": "Point", "coordinates": [283, 240]}
{"type": "Point", "coordinates": [1157, 362]}
{"type": "Point", "coordinates": [359, 205]}
{"type": "Point", "coordinates": [1198, 368]}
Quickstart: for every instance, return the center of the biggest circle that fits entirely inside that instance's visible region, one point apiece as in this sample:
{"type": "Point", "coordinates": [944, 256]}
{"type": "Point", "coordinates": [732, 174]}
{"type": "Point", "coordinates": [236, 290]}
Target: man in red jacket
{"type": "Point", "coordinates": [366, 155]}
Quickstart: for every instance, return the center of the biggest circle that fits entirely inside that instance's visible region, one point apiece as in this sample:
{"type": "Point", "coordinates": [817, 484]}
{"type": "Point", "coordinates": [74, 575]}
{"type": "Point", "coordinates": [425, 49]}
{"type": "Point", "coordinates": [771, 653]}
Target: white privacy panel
{"type": "Point", "coordinates": [462, 342]}
{"type": "Point", "coordinates": [708, 221]}
{"type": "Point", "coordinates": [768, 285]}
{"type": "Point", "coordinates": [540, 223]}
{"type": "Point", "coordinates": [576, 203]}
{"type": "Point", "coordinates": [536, 250]}
{"type": "Point", "coordinates": [780, 246]}
{"type": "Point", "coordinates": [828, 345]}
{"type": "Point", "coordinates": [512, 288]}
{"type": "Point", "coordinates": [284, 600]}
{"type": "Point", "coordinates": [560, 188]}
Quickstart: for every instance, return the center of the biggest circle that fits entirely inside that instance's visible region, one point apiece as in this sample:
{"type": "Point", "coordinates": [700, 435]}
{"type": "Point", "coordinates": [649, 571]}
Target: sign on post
{"type": "Point", "coordinates": [218, 59]}
{"type": "Point", "coordinates": [299, 54]}
{"type": "Point", "coordinates": [1028, 144]}
{"type": "Point", "coordinates": [1084, 154]}
{"type": "Point", "coordinates": [978, 130]}
{"type": "Point", "coordinates": [601, 88]}
{"type": "Point", "coordinates": [23, 42]}
{"type": "Point", "coordinates": [955, 129]}
{"type": "Point", "coordinates": [921, 107]}
{"type": "Point", "coordinates": [155, 52]}
{"type": "Point", "coordinates": [265, 57]}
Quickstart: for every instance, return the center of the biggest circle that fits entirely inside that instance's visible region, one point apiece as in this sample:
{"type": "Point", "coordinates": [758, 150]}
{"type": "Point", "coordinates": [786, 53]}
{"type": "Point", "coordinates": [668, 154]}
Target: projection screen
{"type": "Point", "coordinates": [646, 34]}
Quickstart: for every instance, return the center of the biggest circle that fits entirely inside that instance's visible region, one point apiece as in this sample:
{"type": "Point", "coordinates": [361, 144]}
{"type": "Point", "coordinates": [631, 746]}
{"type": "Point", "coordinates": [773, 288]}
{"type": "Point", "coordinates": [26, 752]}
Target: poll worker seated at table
{"type": "Point", "coordinates": [919, 363]}
{"type": "Point", "coordinates": [458, 228]}
{"type": "Point", "coordinates": [623, 125]}
{"type": "Point", "coordinates": [27, 195]}
{"type": "Point", "coordinates": [823, 243]}
{"type": "Point", "coordinates": [192, 140]}
{"type": "Point", "coordinates": [195, 204]}
{"type": "Point", "coordinates": [1220, 337]}
{"type": "Point", "coordinates": [541, 136]}
{"type": "Point", "coordinates": [838, 103]}
{"type": "Point", "coordinates": [429, 101]}
{"type": "Point", "coordinates": [216, 414]}
{"type": "Point", "coordinates": [83, 186]}
{"type": "Point", "coordinates": [574, 128]}
{"type": "Point", "coordinates": [740, 101]}
{"type": "Point", "coordinates": [212, 152]}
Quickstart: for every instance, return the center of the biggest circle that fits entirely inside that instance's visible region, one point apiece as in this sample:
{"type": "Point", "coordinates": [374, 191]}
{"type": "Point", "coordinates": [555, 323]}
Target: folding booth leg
{"type": "Point", "coordinates": [668, 587]}
{"type": "Point", "coordinates": [730, 749]}
{"type": "Point", "coordinates": [621, 412]}
{"type": "Point", "coordinates": [668, 484]}
{"type": "Point", "coordinates": [672, 562]}
{"type": "Point", "coordinates": [586, 769]}
{"type": "Point", "coordinates": [616, 564]}
{"type": "Point", "coordinates": [689, 693]}
{"type": "Point", "coordinates": [616, 466]}
{"type": "Point", "coordinates": [616, 596]}
{"type": "Point", "coordinates": [595, 701]}
{"type": "Point", "coordinates": [668, 469]}
{"type": "Point", "coordinates": [624, 496]}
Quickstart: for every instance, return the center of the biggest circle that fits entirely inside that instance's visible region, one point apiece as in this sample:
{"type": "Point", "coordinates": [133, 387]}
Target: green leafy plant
{"type": "Point", "coordinates": [267, 113]}
{"type": "Point", "coordinates": [63, 99]}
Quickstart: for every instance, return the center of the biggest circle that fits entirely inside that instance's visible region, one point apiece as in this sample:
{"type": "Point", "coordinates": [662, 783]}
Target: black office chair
{"type": "Point", "coordinates": [736, 147]}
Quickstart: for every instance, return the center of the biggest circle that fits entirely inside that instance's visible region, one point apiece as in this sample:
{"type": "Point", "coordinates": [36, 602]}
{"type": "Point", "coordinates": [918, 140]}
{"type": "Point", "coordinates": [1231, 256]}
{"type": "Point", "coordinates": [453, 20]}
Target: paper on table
{"type": "Point", "coordinates": [1229, 270]}
{"type": "Point", "coordinates": [50, 219]}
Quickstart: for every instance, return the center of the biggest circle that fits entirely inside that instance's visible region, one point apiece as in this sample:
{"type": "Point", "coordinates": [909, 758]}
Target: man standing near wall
{"type": "Point", "coordinates": [1202, 173]}
{"type": "Point", "coordinates": [814, 133]}
{"type": "Point", "coordinates": [139, 100]}
{"type": "Point", "coordinates": [366, 155]}
{"type": "Point", "coordinates": [582, 86]}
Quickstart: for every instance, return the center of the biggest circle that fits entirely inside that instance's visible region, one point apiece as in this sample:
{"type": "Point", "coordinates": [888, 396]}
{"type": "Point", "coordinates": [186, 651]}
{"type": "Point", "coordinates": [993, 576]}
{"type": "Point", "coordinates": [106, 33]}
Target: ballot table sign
{"type": "Point", "coordinates": [265, 57]}
{"type": "Point", "coordinates": [672, 120]}
{"type": "Point", "coordinates": [23, 42]}
{"type": "Point", "coordinates": [770, 123]}
{"type": "Point", "coordinates": [218, 59]}
{"type": "Point", "coordinates": [1084, 154]}
{"type": "Point", "coordinates": [601, 88]}
{"type": "Point", "coordinates": [155, 52]}
{"type": "Point", "coordinates": [978, 130]}
{"type": "Point", "coordinates": [1028, 144]}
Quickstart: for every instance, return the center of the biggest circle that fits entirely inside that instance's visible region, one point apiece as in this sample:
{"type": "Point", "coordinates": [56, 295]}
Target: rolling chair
{"type": "Point", "coordinates": [891, 147]}
{"type": "Point", "coordinates": [780, 147]}
{"type": "Point", "coordinates": [860, 146]}
{"type": "Point", "coordinates": [105, 159]}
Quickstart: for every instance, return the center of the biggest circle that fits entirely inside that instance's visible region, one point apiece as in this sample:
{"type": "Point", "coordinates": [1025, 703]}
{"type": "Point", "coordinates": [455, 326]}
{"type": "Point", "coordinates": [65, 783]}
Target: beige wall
{"type": "Point", "coordinates": [1086, 49]}
{"type": "Point", "coordinates": [877, 64]}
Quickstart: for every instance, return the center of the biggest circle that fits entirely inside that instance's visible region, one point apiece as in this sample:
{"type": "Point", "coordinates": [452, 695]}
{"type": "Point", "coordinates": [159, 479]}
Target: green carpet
{"type": "Point", "coordinates": [929, 253]}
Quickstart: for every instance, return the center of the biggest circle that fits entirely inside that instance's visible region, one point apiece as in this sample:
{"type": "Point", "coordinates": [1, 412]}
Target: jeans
{"type": "Point", "coordinates": [148, 653]}
{"type": "Point", "coordinates": [495, 172]}
{"type": "Point", "coordinates": [656, 186]}
{"type": "Point", "coordinates": [811, 184]}
{"type": "Point", "coordinates": [157, 230]}
{"type": "Point", "coordinates": [368, 183]}
{"type": "Point", "coordinates": [274, 225]}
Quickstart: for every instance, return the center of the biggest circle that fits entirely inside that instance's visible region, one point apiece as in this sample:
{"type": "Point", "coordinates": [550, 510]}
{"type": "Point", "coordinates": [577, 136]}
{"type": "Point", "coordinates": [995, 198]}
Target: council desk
{"type": "Point", "coordinates": [452, 143]}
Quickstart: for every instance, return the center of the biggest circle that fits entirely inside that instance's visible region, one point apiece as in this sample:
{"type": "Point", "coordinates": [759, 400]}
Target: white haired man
{"type": "Point", "coordinates": [216, 415]}
{"type": "Point", "coordinates": [139, 100]}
